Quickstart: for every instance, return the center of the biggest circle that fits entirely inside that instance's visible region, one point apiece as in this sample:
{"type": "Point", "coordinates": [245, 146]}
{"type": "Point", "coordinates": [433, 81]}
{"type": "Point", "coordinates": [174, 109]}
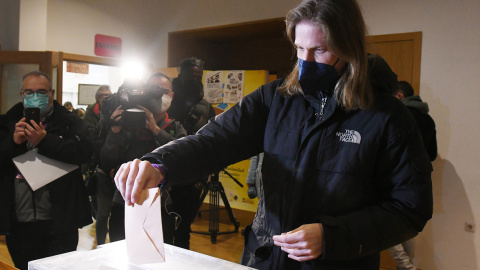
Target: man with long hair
{"type": "Point", "coordinates": [344, 174]}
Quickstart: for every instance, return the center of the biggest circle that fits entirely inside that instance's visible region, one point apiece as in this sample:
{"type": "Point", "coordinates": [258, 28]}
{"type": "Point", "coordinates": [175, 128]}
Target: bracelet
{"type": "Point", "coordinates": [162, 170]}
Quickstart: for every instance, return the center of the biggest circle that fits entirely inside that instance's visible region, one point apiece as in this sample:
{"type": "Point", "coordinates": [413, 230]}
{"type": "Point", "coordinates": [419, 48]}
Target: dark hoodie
{"type": "Point", "coordinates": [425, 123]}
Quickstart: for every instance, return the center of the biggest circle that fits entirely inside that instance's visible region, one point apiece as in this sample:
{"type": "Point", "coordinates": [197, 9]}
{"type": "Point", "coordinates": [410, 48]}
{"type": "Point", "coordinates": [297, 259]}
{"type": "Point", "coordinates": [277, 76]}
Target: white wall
{"type": "Point", "coordinates": [33, 25]}
{"type": "Point", "coordinates": [449, 83]}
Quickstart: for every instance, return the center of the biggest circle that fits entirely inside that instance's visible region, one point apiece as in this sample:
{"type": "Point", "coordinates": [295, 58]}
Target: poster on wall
{"type": "Point", "coordinates": [234, 85]}
{"type": "Point", "coordinates": [86, 93]}
{"type": "Point", "coordinates": [213, 86]}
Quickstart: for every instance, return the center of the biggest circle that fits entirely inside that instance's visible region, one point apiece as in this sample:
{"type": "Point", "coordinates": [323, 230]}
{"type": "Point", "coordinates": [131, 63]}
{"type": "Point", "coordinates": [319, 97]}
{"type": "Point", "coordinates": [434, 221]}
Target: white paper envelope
{"type": "Point", "coordinates": [143, 229]}
{"type": "Point", "coordinates": [40, 170]}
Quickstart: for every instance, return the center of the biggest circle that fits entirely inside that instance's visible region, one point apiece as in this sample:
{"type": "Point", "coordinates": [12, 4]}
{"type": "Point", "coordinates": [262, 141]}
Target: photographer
{"type": "Point", "coordinates": [189, 107]}
{"type": "Point", "coordinates": [139, 124]}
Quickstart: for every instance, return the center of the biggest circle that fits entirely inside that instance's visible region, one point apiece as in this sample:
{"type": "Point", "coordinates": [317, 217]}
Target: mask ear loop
{"type": "Point", "coordinates": [338, 59]}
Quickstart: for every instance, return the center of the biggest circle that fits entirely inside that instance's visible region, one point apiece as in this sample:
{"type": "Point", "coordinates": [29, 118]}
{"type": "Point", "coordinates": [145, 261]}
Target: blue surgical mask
{"type": "Point", "coordinates": [37, 101]}
{"type": "Point", "coordinates": [315, 77]}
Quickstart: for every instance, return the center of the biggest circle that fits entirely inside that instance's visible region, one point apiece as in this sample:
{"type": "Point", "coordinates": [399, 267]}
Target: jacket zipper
{"type": "Point", "coordinates": [324, 101]}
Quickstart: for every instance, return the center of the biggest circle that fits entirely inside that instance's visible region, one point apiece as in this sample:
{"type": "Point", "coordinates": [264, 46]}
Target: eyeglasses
{"type": "Point", "coordinates": [102, 96]}
{"type": "Point", "coordinates": [31, 93]}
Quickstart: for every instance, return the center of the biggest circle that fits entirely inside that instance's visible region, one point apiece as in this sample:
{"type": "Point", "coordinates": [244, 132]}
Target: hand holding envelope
{"type": "Point", "coordinates": [143, 229]}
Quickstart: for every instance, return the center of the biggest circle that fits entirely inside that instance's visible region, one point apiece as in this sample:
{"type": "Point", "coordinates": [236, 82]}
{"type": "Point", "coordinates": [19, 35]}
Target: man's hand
{"type": "Point", "coordinates": [19, 135]}
{"type": "Point", "coordinates": [150, 122]}
{"type": "Point", "coordinates": [134, 177]}
{"type": "Point", "coordinates": [302, 244]}
{"type": "Point", "coordinates": [36, 133]}
{"type": "Point", "coordinates": [117, 116]}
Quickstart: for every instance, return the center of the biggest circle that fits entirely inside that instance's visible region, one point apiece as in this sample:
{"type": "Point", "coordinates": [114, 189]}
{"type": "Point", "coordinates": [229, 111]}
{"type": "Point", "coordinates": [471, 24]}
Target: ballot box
{"type": "Point", "coordinates": [114, 256]}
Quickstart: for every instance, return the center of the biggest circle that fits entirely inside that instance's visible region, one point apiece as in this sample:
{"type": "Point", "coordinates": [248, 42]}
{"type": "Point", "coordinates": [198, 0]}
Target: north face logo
{"type": "Point", "coordinates": [350, 136]}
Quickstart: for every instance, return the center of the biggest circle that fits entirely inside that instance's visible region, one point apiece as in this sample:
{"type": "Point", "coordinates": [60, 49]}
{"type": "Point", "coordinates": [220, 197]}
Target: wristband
{"type": "Point", "coordinates": [162, 170]}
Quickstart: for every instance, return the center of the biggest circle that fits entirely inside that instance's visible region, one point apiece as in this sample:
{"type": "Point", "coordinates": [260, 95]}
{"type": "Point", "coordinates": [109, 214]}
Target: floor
{"type": "Point", "coordinates": [228, 246]}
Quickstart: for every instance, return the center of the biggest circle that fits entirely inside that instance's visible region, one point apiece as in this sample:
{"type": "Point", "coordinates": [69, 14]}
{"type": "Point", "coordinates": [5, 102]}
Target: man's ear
{"type": "Point", "coordinates": [173, 94]}
{"type": "Point", "coordinates": [399, 95]}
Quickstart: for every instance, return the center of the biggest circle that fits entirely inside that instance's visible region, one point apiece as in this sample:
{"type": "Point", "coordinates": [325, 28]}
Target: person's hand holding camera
{"type": "Point", "coordinates": [116, 117]}
{"type": "Point", "coordinates": [150, 122]}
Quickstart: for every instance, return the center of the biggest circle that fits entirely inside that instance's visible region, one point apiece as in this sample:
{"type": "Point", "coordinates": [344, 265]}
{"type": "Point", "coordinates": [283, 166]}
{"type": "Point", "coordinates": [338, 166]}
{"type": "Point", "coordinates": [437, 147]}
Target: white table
{"type": "Point", "coordinates": [114, 256]}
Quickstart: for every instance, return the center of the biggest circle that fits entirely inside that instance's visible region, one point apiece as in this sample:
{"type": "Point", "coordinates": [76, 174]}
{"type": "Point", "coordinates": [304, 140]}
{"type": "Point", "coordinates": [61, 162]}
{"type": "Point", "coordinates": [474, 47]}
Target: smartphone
{"type": "Point", "coordinates": [32, 114]}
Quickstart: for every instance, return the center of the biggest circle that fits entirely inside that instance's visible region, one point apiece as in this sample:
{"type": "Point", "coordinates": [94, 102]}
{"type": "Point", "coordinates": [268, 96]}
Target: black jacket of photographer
{"type": "Point", "coordinates": [189, 107]}
{"type": "Point", "coordinates": [132, 143]}
{"type": "Point", "coordinates": [67, 141]}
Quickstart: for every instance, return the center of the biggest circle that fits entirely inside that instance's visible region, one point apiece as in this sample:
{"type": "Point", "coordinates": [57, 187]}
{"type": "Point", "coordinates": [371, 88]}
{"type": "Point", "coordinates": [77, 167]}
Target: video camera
{"type": "Point", "coordinates": [130, 95]}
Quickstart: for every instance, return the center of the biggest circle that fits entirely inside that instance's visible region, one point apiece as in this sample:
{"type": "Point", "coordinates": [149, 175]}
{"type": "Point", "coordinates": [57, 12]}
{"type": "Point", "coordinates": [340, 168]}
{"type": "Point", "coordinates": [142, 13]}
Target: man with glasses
{"type": "Point", "coordinates": [102, 187]}
{"type": "Point", "coordinates": [43, 222]}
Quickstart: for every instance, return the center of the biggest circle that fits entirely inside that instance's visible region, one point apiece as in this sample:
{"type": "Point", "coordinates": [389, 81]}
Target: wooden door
{"type": "Point", "coordinates": [13, 65]}
{"type": "Point", "coordinates": [402, 52]}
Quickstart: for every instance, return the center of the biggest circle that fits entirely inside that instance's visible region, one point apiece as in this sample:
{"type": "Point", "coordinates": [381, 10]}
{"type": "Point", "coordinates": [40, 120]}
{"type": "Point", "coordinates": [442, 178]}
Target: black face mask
{"type": "Point", "coordinates": [314, 77]}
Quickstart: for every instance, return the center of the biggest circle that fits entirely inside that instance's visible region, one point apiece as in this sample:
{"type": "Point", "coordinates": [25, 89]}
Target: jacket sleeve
{"type": "Point", "coordinates": [77, 148]}
{"type": "Point", "coordinates": [232, 136]}
{"type": "Point", "coordinates": [112, 153]}
{"type": "Point", "coordinates": [90, 121]}
{"type": "Point", "coordinates": [405, 203]}
{"type": "Point", "coordinates": [163, 137]}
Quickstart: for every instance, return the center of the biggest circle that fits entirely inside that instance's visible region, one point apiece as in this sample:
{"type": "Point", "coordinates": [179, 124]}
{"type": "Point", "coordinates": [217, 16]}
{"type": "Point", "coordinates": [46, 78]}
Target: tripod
{"type": "Point", "coordinates": [216, 190]}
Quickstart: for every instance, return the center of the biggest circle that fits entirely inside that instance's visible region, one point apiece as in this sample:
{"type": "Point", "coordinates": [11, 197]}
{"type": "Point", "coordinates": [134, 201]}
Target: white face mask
{"type": "Point", "coordinates": [160, 107]}
{"type": "Point", "coordinates": [166, 102]}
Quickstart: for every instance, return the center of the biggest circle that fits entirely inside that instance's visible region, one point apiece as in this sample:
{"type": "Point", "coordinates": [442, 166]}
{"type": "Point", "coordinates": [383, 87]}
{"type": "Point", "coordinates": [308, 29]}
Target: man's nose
{"type": "Point", "coordinates": [307, 55]}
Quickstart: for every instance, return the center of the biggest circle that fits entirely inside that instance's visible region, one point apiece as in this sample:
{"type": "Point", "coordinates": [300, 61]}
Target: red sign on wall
{"type": "Point", "coordinates": [108, 46]}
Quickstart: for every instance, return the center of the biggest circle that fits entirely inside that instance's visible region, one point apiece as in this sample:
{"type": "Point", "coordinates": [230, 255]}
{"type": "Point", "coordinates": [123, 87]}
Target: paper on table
{"type": "Point", "coordinates": [143, 229]}
{"type": "Point", "coordinates": [40, 170]}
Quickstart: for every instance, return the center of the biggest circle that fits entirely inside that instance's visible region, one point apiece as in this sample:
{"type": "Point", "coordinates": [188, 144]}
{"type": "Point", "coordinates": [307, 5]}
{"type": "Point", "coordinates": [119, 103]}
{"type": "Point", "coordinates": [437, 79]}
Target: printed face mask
{"type": "Point", "coordinates": [37, 101]}
{"type": "Point", "coordinates": [314, 77]}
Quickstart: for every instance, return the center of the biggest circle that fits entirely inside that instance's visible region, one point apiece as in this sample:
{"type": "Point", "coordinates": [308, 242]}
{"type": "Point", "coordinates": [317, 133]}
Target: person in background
{"type": "Point", "coordinates": [93, 112]}
{"type": "Point", "coordinates": [344, 172]}
{"type": "Point", "coordinates": [103, 187]}
{"type": "Point", "coordinates": [124, 143]}
{"type": "Point", "coordinates": [193, 112]}
{"type": "Point", "coordinates": [419, 111]}
{"type": "Point", "coordinates": [189, 107]}
{"type": "Point", "coordinates": [69, 106]}
{"type": "Point", "coordinates": [403, 253]}
{"type": "Point", "coordinates": [80, 112]}
{"type": "Point", "coordinates": [43, 222]}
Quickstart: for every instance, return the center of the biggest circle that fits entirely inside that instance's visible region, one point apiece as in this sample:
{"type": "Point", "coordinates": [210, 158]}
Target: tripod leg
{"type": "Point", "coordinates": [214, 217]}
{"type": "Point", "coordinates": [229, 209]}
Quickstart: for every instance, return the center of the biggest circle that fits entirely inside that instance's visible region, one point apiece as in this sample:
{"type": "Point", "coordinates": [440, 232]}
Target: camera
{"type": "Point", "coordinates": [130, 95]}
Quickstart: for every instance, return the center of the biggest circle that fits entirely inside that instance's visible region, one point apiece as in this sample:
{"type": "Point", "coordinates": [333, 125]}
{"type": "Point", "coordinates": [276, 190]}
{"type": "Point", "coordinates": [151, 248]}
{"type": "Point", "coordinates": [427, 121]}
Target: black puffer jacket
{"type": "Point", "coordinates": [363, 174]}
{"type": "Point", "coordinates": [66, 141]}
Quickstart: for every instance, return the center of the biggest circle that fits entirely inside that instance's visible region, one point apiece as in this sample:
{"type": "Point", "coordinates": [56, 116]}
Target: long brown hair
{"type": "Point", "coordinates": [342, 24]}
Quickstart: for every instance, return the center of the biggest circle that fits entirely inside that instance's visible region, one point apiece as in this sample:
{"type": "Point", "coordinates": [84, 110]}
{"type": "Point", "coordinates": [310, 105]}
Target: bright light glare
{"type": "Point", "coordinates": [133, 70]}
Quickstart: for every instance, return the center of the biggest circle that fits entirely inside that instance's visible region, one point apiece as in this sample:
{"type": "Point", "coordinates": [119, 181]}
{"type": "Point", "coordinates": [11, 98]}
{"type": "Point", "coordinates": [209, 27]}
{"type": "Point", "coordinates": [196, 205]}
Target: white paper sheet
{"type": "Point", "coordinates": [40, 170]}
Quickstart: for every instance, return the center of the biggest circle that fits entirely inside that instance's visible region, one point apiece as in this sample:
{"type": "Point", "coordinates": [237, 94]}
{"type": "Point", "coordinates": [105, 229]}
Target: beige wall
{"type": "Point", "coordinates": [449, 83]}
{"type": "Point", "coordinates": [9, 20]}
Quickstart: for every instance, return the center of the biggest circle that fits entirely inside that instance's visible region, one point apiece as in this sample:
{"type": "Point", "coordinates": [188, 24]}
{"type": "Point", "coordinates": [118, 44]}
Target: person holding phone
{"type": "Point", "coordinates": [43, 222]}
